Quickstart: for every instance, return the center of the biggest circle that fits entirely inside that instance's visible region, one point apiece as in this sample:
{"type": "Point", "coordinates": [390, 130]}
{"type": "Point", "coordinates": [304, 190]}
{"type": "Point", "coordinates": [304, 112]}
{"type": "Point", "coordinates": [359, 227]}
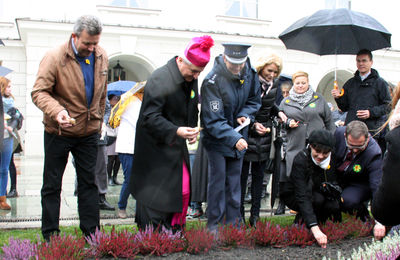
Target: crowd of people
{"type": "Point", "coordinates": [326, 164]}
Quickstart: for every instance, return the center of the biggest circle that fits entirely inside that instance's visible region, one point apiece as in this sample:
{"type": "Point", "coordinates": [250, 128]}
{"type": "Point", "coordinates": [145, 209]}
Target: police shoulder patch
{"type": "Point", "coordinates": [215, 105]}
{"type": "Point", "coordinates": [212, 79]}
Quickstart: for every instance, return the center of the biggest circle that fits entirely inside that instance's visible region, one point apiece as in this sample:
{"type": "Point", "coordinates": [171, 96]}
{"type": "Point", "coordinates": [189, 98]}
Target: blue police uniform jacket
{"type": "Point", "coordinates": [366, 167]}
{"type": "Point", "coordinates": [224, 98]}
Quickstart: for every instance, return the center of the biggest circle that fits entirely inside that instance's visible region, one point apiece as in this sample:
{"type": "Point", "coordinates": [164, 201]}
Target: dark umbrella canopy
{"type": "Point", "coordinates": [336, 31]}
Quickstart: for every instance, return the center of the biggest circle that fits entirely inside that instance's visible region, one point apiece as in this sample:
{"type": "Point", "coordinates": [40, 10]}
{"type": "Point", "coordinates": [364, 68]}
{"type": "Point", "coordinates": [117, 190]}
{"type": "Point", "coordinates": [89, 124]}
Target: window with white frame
{"type": "Point", "coordinates": [242, 8]}
{"type": "Point", "coordinates": [130, 3]}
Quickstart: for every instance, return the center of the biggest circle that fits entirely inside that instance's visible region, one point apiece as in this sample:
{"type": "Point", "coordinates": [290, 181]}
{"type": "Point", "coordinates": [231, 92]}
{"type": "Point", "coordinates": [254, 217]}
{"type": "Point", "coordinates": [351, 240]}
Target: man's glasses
{"type": "Point", "coordinates": [359, 147]}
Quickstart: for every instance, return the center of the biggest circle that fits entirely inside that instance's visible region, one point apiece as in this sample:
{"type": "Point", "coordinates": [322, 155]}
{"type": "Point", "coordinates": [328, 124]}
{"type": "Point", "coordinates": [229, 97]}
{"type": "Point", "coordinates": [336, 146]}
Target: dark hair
{"type": "Point", "coordinates": [111, 96]}
{"type": "Point", "coordinates": [365, 52]}
{"type": "Point", "coordinates": [356, 129]}
{"type": "Point", "coordinates": [320, 148]}
{"type": "Point", "coordinates": [90, 23]}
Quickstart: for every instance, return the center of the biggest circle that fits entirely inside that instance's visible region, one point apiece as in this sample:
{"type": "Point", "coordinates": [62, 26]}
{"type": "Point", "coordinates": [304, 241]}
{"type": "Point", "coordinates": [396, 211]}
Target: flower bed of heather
{"type": "Point", "coordinates": [129, 243]}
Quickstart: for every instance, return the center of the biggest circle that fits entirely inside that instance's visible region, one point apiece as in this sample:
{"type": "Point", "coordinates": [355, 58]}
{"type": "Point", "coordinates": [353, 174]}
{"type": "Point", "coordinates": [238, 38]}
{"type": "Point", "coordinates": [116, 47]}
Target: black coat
{"type": "Point", "coordinates": [168, 103]}
{"type": "Point", "coordinates": [386, 202]}
{"type": "Point", "coordinates": [305, 178]}
{"type": "Point", "coordinates": [372, 94]}
{"type": "Point", "coordinates": [260, 146]}
{"type": "Point", "coordinates": [224, 98]}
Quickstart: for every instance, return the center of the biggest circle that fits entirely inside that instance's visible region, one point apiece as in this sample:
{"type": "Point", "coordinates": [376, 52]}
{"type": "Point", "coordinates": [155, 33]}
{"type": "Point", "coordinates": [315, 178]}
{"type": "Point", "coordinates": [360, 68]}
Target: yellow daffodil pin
{"type": "Point", "coordinates": [357, 168]}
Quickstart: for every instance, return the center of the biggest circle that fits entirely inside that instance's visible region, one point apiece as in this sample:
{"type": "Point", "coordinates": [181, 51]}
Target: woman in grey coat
{"type": "Point", "coordinates": [306, 111]}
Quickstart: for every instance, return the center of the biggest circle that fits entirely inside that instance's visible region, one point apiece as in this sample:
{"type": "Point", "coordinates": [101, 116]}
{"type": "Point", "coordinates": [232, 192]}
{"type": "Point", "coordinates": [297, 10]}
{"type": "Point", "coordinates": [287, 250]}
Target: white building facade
{"type": "Point", "coordinates": [142, 35]}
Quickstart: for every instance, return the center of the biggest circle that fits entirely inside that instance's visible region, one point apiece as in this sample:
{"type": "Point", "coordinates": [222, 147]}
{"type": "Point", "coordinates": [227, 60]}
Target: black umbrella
{"type": "Point", "coordinates": [336, 31]}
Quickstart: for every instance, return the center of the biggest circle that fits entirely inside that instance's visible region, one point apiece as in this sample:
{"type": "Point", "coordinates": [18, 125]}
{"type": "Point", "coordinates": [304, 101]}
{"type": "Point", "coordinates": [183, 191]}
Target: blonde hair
{"type": "Point", "coordinates": [395, 100]}
{"type": "Point", "coordinates": [4, 82]}
{"type": "Point", "coordinates": [267, 60]}
{"type": "Point", "coordinates": [299, 74]}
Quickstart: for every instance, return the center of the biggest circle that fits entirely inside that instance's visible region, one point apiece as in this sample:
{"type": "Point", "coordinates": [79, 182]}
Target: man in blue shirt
{"type": "Point", "coordinates": [70, 89]}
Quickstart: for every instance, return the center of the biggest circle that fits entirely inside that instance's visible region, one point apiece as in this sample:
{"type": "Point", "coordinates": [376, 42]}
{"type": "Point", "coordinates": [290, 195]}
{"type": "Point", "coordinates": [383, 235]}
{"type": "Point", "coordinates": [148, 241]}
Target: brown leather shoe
{"type": "Point", "coordinates": [3, 203]}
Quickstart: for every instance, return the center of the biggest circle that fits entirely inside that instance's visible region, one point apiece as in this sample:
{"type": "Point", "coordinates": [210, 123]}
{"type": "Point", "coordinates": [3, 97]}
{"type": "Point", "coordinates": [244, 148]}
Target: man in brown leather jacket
{"type": "Point", "coordinates": [70, 89]}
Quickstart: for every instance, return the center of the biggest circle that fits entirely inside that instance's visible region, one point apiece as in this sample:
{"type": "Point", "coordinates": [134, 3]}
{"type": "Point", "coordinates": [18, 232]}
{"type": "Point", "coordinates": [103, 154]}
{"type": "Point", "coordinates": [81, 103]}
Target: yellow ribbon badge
{"type": "Point", "coordinates": [87, 61]}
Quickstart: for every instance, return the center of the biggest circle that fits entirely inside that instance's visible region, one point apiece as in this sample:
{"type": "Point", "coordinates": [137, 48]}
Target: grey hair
{"type": "Point", "coordinates": [185, 59]}
{"type": "Point", "coordinates": [357, 129]}
{"type": "Point", "coordinates": [286, 84]}
{"type": "Point", "coordinates": [90, 23]}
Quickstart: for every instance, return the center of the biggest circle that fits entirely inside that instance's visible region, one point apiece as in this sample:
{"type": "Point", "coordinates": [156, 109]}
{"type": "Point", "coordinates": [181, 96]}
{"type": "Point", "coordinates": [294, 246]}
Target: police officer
{"type": "Point", "coordinates": [230, 98]}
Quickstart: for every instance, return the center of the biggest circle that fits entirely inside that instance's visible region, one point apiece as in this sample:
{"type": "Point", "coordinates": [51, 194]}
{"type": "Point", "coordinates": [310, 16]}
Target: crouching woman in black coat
{"type": "Point", "coordinates": [312, 190]}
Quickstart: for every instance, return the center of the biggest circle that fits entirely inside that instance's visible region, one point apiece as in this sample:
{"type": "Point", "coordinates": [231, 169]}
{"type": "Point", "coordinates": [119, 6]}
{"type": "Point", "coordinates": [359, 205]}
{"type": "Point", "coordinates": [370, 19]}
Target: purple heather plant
{"type": "Point", "coordinates": [18, 249]}
{"type": "Point", "coordinates": [114, 244]}
{"type": "Point", "coordinates": [155, 242]}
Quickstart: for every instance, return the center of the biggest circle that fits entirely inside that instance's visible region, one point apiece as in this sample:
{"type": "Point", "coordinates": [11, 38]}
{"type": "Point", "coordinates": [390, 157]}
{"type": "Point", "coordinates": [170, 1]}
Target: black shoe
{"type": "Point", "coordinates": [111, 182]}
{"type": "Point", "coordinates": [116, 182]}
{"type": "Point", "coordinates": [104, 205]}
{"type": "Point", "coordinates": [264, 194]}
{"type": "Point", "coordinates": [12, 194]}
{"type": "Point", "coordinates": [253, 220]}
{"type": "Point", "coordinates": [281, 208]}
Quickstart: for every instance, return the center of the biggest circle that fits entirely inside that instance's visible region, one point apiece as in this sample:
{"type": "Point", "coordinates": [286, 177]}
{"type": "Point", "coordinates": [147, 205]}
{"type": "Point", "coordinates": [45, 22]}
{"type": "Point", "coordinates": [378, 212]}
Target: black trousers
{"type": "Point", "coordinates": [113, 165]}
{"type": "Point", "coordinates": [13, 173]}
{"type": "Point", "coordinates": [146, 217]}
{"type": "Point", "coordinates": [56, 151]}
{"type": "Point", "coordinates": [355, 197]}
{"type": "Point", "coordinates": [323, 207]}
{"type": "Point", "coordinates": [257, 178]}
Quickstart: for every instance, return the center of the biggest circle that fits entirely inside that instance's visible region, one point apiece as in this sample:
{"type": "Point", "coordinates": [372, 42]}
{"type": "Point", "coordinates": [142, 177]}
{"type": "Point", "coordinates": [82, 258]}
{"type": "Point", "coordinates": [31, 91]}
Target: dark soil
{"type": "Point", "coordinates": [309, 252]}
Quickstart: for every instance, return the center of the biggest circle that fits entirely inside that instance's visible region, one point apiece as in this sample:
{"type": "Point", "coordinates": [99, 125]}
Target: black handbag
{"type": "Point", "coordinates": [111, 140]}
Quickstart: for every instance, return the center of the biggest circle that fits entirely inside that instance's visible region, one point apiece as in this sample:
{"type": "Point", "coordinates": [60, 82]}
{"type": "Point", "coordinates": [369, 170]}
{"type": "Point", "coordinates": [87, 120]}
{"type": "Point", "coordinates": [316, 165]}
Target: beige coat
{"type": "Point", "coordinates": [60, 85]}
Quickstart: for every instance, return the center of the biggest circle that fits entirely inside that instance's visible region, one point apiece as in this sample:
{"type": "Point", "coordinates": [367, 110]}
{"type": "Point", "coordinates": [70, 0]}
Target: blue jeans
{"type": "Point", "coordinates": [5, 158]}
{"type": "Point", "coordinates": [126, 161]}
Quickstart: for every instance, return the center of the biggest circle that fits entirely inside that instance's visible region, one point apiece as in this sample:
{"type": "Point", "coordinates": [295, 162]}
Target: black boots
{"type": "Point", "coordinates": [112, 181]}
{"type": "Point", "coordinates": [104, 204]}
{"type": "Point", "coordinates": [12, 194]}
{"type": "Point", "coordinates": [281, 208]}
{"type": "Point", "coordinates": [253, 220]}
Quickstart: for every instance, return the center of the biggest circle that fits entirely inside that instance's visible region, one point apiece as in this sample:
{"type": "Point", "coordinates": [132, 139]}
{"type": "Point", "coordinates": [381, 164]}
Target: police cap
{"type": "Point", "coordinates": [236, 53]}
